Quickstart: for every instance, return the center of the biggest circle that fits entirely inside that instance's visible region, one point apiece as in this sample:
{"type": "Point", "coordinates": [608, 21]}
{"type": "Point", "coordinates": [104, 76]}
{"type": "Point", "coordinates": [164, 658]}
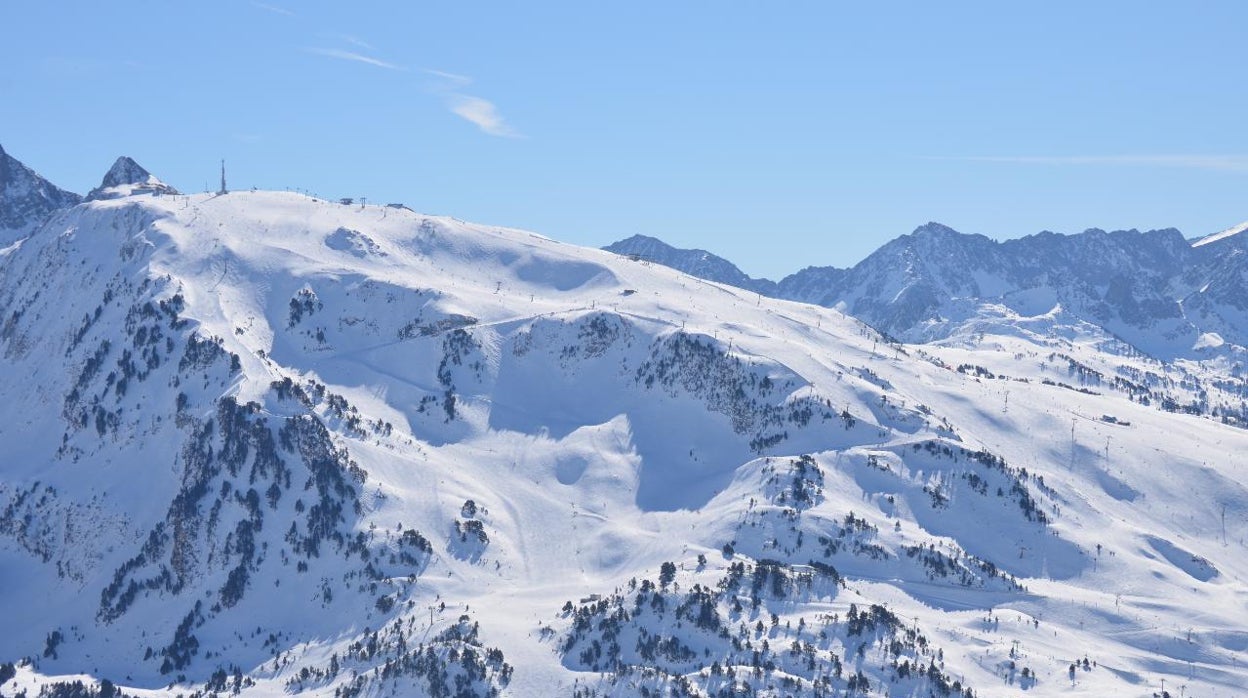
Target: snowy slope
{"type": "Point", "coordinates": [1223, 235]}
{"type": "Point", "coordinates": [267, 441]}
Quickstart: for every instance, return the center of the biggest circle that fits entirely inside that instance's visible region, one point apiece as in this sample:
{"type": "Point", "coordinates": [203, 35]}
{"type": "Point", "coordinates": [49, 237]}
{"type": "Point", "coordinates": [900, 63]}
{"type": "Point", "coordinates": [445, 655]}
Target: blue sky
{"type": "Point", "coordinates": [779, 135]}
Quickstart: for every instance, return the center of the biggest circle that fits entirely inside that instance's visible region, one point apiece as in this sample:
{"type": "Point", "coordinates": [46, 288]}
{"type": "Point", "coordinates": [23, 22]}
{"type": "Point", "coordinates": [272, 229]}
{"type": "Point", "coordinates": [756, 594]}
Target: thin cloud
{"type": "Point", "coordinates": [453, 78]}
{"type": "Point", "coordinates": [1224, 163]}
{"type": "Point", "coordinates": [356, 41]}
{"type": "Point", "coordinates": [482, 113]}
{"type": "Point", "coordinates": [274, 9]}
{"type": "Point", "coordinates": [357, 57]}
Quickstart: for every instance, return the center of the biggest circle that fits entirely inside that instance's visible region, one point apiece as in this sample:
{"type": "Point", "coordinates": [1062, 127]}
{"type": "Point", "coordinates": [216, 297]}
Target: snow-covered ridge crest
{"type": "Point", "coordinates": [1215, 237]}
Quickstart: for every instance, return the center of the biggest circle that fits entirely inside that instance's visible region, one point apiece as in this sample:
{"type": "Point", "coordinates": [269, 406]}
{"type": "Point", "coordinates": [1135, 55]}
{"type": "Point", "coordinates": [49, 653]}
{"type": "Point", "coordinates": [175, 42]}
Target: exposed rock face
{"type": "Point", "coordinates": [26, 199]}
{"type": "Point", "coordinates": [128, 177]}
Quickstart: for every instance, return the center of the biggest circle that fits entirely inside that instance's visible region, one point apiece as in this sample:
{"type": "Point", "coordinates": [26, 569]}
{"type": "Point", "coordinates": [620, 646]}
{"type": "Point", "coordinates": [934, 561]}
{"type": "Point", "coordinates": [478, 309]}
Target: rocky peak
{"type": "Point", "coordinates": [25, 197]}
{"type": "Point", "coordinates": [934, 229]}
{"type": "Point", "coordinates": [127, 177]}
{"type": "Point", "coordinates": [126, 171]}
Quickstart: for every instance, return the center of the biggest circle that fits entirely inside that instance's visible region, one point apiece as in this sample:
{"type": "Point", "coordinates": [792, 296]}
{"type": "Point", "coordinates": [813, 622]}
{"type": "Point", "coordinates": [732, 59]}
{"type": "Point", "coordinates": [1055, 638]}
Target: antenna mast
{"type": "Point", "coordinates": [223, 189]}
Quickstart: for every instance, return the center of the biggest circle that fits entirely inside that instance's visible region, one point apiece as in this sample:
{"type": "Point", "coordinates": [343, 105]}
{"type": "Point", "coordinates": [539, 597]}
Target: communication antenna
{"type": "Point", "coordinates": [223, 190]}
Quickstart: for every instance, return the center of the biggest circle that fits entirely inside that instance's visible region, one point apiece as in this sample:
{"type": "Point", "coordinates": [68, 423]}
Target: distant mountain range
{"type": "Point", "coordinates": [1166, 295]}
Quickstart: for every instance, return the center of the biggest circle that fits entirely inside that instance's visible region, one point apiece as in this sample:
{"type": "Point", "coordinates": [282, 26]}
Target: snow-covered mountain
{"type": "Point", "coordinates": [926, 285]}
{"type": "Point", "coordinates": [1155, 290]}
{"type": "Point", "coordinates": [268, 444]}
{"type": "Point", "coordinates": [26, 199]}
{"type": "Point", "coordinates": [699, 263]}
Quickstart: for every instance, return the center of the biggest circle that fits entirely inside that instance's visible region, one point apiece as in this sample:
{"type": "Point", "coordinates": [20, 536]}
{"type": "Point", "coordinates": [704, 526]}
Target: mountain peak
{"type": "Point", "coordinates": [125, 171]}
{"type": "Point", "coordinates": [931, 233]}
{"type": "Point", "coordinates": [694, 262]}
{"type": "Point", "coordinates": [637, 240]}
{"type": "Point", "coordinates": [25, 197]}
{"type": "Point", "coordinates": [127, 177]}
{"type": "Point", "coordinates": [934, 228]}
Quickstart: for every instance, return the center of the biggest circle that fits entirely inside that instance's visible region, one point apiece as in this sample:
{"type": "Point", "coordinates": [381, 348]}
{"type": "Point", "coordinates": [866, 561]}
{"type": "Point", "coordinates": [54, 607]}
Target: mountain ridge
{"type": "Point", "coordinates": [1133, 284]}
{"type": "Point", "coordinates": [694, 262]}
